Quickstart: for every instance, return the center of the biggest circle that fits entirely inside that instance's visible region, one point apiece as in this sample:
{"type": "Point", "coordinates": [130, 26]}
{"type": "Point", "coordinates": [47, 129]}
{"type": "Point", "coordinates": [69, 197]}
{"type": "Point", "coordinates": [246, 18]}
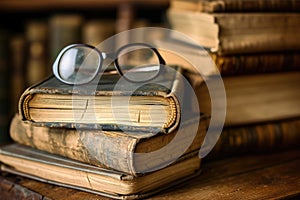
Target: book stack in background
{"type": "Point", "coordinates": [4, 84]}
{"type": "Point", "coordinates": [34, 45]}
{"type": "Point", "coordinates": [255, 46]}
{"type": "Point", "coordinates": [26, 50]}
{"type": "Point", "coordinates": [70, 136]}
{"type": "Point", "coordinates": [34, 48]}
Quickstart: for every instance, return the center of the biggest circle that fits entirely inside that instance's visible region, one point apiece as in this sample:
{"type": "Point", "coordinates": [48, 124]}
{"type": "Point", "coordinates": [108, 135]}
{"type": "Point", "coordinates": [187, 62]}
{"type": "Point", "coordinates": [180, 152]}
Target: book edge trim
{"type": "Point", "coordinates": [168, 126]}
{"type": "Point", "coordinates": [115, 196]}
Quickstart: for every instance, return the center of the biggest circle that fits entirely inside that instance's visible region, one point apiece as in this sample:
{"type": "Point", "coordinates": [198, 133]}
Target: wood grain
{"type": "Point", "coordinates": [263, 176]}
{"type": "Point", "coordinates": [253, 177]}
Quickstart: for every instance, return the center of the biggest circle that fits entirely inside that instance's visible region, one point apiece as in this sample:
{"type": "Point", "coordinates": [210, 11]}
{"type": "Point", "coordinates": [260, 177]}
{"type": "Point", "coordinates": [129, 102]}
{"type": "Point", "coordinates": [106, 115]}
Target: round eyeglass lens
{"type": "Point", "coordinates": [79, 64]}
{"type": "Point", "coordinates": [138, 63]}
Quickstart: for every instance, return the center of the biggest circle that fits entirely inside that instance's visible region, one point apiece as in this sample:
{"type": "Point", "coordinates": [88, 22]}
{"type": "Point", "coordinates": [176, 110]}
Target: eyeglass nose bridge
{"type": "Point", "coordinates": [112, 56]}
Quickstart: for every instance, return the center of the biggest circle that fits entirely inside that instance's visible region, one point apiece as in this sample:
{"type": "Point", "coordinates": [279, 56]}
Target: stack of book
{"type": "Point", "coordinates": [255, 46]}
{"type": "Point", "coordinates": [69, 136]}
{"type": "Point", "coordinates": [34, 47]}
{"type": "Point", "coordinates": [4, 85]}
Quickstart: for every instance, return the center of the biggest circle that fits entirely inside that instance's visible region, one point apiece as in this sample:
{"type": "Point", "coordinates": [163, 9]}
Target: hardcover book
{"type": "Point", "coordinates": [237, 5]}
{"type": "Point", "coordinates": [130, 152]}
{"type": "Point", "coordinates": [153, 106]}
{"type": "Point", "coordinates": [257, 138]}
{"type": "Point", "coordinates": [4, 87]}
{"type": "Point", "coordinates": [254, 98]}
{"type": "Point", "coordinates": [64, 29]}
{"type": "Point", "coordinates": [96, 31]}
{"type": "Point", "coordinates": [31, 163]}
{"type": "Point", "coordinates": [230, 65]}
{"type": "Point", "coordinates": [237, 33]}
{"type": "Point", "coordinates": [17, 44]}
{"type": "Point", "coordinates": [37, 61]}
{"type": "Point", "coordinates": [257, 63]}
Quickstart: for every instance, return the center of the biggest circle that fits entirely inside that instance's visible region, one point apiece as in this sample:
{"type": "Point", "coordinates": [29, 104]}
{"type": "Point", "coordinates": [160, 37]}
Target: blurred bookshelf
{"type": "Point", "coordinates": [31, 5]}
{"type": "Point", "coordinates": [261, 87]}
{"type": "Point", "coordinates": [18, 10]}
{"type": "Point", "coordinates": [34, 31]}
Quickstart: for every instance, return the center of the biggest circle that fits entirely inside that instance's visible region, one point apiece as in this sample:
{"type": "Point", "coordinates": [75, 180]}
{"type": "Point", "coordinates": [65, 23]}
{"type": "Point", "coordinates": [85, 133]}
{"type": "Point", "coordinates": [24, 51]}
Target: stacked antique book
{"type": "Point", "coordinates": [105, 140]}
{"type": "Point", "coordinates": [4, 84]}
{"type": "Point", "coordinates": [255, 46]}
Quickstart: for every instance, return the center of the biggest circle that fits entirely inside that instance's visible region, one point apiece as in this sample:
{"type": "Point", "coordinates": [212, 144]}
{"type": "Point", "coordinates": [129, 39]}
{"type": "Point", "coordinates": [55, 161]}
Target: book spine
{"type": "Point", "coordinates": [225, 32]}
{"type": "Point", "coordinates": [94, 32]}
{"type": "Point", "coordinates": [257, 138]}
{"type": "Point", "coordinates": [254, 20]}
{"type": "Point", "coordinates": [4, 87]}
{"type": "Point", "coordinates": [37, 63]}
{"type": "Point", "coordinates": [248, 6]}
{"type": "Point", "coordinates": [259, 43]}
{"type": "Point", "coordinates": [104, 149]}
{"type": "Point", "coordinates": [257, 63]}
{"type": "Point", "coordinates": [64, 30]}
{"type": "Point", "coordinates": [17, 60]}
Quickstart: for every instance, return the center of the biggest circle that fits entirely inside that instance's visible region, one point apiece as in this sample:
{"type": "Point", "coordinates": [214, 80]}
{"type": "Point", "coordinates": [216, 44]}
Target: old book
{"type": "Point", "coordinates": [257, 138]}
{"type": "Point", "coordinates": [31, 163]}
{"type": "Point", "coordinates": [125, 17]}
{"type": "Point", "coordinates": [237, 5]}
{"type": "Point", "coordinates": [64, 29]}
{"type": "Point", "coordinates": [231, 33]}
{"type": "Point", "coordinates": [153, 106]}
{"type": "Point", "coordinates": [132, 152]}
{"type": "Point", "coordinates": [257, 63]}
{"type": "Point", "coordinates": [37, 64]}
{"type": "Point", "coordinates": [253, 98]}
{"type": "Point", "coordinates": [17, 78]}
{"type": "Point", "coordinates": [236, 64]}
{"type": "Point", "coordinates": [96, 31]}
{"type": "Point", "coordinates": [4, 86]}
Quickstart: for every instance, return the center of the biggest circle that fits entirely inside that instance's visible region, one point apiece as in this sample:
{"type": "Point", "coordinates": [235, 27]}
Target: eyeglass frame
{"type": "Point", "coordinates": [103, 56]}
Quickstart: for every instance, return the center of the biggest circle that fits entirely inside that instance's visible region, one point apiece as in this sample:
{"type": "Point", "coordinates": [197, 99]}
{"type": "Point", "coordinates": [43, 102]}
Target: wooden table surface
{"type": "Point", "coordinates": [263, 176]}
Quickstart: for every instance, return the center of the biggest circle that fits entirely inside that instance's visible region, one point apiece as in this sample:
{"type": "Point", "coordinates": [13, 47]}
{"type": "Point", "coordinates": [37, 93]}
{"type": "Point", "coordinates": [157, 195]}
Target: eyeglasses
{"type": "Point", "coordinates": [80, 63]}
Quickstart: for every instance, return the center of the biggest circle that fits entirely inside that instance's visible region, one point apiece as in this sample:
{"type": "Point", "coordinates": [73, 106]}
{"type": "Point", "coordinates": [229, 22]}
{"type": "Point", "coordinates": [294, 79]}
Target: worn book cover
{"type": "Point", "coordinates": [237, 5]}
{"type": "Point", "coordinates": [232, 33]}
{"type": "Point", "coordinates": [230, 65]}
{"type": "Point", "coordinates": [130, 152]}
{"type": "Point", "coordinates": [35, 164]}
{"type": "Point", "coordinates": [4, 87]}
{"type": "Point", "coordinates": [64, 29]}
{"type": "Point", "coordinates": [151, 106]}
{"type": "Point", "coordinates": [257, 138]}
{"type": "Point", "coordinates": [37, 63]}
{"type": "Point", "coordinates": [257, 63]}
{"type": "Point", "coordinates": [253, 98]}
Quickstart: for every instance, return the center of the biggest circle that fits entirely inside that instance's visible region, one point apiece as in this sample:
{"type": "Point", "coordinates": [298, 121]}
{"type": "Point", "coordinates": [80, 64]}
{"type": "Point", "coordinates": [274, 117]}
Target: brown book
{"type": "Point", "coordinates": [17, 78]}
{"type": "Point", "coordinates": [151, 107]}
{"type": "Point", "coordinates": [230, 65]}
{"type": "Point", "coordinates": [31, 163]}
{"type": "Point", "coordinates": [94, 32]}
{"type": "Point", "coordinates": [258, 63]}
{"type": "Point", "coordinates": [237, 5]}
{"type": "Point", "coordinates": [255, 98]}
{"type": "Point", "coordinates": [65, 29]}
{"type": "Point", "coordinates": [257, 138]}
{"type": "Point", "coordinates": [4, 86]}
{"type": "Point", "coordinates": [237, 33]}
{"type": "Point", "coordinates": [37, 67]}
{"type": "Point", "coordinates": [129, 152]}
